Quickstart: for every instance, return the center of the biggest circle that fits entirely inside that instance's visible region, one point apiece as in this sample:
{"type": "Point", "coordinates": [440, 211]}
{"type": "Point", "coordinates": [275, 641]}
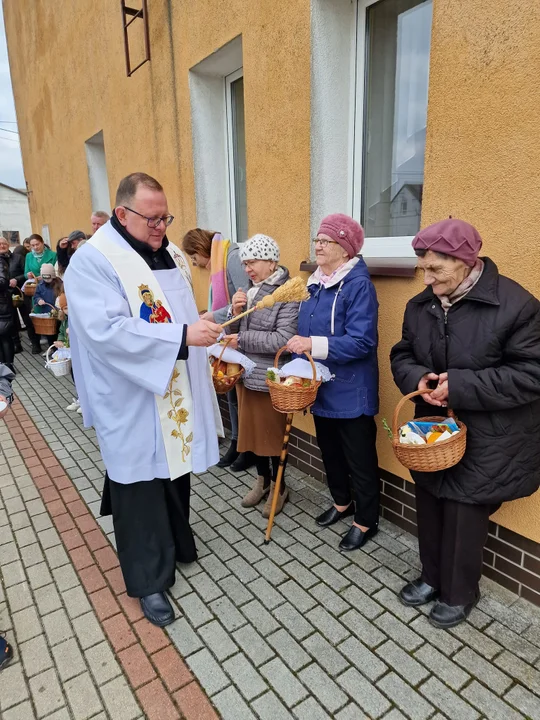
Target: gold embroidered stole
{"type": "Point", "coordinates": [147, 301]}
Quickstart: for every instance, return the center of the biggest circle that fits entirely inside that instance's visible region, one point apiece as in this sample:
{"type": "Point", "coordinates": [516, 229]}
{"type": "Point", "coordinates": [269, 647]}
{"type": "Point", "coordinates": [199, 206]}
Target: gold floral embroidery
{"type": "Point", "coordinates": [178, 414]}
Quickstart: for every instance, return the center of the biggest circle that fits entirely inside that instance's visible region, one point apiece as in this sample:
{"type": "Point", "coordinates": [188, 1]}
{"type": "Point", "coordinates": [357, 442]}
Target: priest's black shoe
{"type": "Point", "coordinates": [230, 456]}
{"type": "Point", "coordinates": [157, 609]}
{"type": "Point", "coordinates": [332, 515]}
{"type": "Point", "coordinates": [355, 538]}
{"type": "Point", "coordinates": [243, 462]}
{"type": "Point", "coordinates": [18, 348]}
{"type": "Point", "coordinates": [417, 593]}
{"type": "Point", "coordinates": [448, 616]}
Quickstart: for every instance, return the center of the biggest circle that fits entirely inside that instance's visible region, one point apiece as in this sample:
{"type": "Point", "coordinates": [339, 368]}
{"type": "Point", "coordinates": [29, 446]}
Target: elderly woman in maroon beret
{"type": "Point", "coordinates": [471, 341]}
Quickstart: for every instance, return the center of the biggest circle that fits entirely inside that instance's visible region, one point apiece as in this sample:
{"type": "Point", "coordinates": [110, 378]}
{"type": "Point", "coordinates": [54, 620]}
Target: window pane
{"type": "Point", "coordinates": [239, 158]}
{"type": "Point", "coordinates": [397, 75]}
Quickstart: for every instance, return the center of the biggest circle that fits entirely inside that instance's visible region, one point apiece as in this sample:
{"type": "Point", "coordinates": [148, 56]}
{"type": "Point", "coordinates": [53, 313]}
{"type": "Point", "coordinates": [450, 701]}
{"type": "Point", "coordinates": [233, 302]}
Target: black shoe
{"type": "Point", "coordinates": [332, 515]}
{"type": "Point", "coordinates": [417, 593]}
{"type": "Point", "coordinates": [18, 348]}
{"type": "Point", "coordinates": [36, 350]}
{"type": "Point", "coordinates": [355, 538]}
{"type": "Point", "coordinates": [447, 616]}
{"type": "Point", "coordinates": [230, 456]}
{"type": "Point", "coordinates": [243, 462]}
{"type": "Point", "coordinates": [6, 652]}
{"type": "Point", "coordinates": [157, 609]}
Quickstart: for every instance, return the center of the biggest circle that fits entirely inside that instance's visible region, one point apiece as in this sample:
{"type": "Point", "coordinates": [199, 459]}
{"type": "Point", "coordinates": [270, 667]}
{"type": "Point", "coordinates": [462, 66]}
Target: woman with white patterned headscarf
{"type": "Point", "coordinates": [259, 336]}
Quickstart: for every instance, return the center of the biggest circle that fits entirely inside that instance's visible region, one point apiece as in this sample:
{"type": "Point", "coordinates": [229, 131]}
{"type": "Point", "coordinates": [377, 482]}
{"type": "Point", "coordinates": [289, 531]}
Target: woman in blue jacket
{"type": "Point", "coordinates": [338, 326]}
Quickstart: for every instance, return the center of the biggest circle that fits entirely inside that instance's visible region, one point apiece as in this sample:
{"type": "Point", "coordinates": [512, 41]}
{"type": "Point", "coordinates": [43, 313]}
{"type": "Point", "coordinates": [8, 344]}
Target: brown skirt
{"type": "Point", "coordinates": [260, 427]}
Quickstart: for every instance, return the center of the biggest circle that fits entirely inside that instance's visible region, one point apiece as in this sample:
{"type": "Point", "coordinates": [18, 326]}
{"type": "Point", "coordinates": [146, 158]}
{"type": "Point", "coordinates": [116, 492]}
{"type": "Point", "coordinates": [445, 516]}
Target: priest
{"type": "Point", "coordinates": [141, 370]}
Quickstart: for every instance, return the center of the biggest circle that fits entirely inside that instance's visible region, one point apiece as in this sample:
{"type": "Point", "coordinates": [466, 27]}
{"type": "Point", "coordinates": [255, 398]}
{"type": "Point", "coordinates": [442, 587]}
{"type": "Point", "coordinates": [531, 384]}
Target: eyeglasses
{"type": "Point", "coordinates": [323, 242]}
{"type": "Point", "coordinates": [250, 263]}
{"type": "Point", "coordinates": [153, 222]}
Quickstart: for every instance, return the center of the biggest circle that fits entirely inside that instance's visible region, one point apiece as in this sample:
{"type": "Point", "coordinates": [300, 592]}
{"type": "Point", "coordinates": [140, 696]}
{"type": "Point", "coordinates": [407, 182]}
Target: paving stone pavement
{"type": "Point", "coordinates": [293, 629]}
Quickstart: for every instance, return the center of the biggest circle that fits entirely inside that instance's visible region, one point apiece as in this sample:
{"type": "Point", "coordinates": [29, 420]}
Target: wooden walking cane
{"type": "Point", "coordinates": [279, 476]}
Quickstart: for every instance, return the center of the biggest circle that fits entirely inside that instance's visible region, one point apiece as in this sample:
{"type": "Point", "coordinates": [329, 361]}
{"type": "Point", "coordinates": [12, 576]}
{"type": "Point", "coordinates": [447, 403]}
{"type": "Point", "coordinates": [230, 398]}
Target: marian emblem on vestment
{"type": "Point", "coordinates": [152, 310]}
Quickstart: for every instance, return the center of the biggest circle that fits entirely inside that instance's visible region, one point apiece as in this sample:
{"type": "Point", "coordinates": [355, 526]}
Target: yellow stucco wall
{"type": "Point", "coordinates": [482, 155]}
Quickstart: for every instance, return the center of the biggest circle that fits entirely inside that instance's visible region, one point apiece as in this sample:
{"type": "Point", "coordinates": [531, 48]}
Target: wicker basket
{"type": "Point", "coordinates": [227, 382]}
{"type": "Point", "coordinates": [46, 325]}
{"type": "Point", "coordinates": [17, 297]}
{"type": "Point", "coordinates": [288, 399]}
{"type": "Point", "coordinates": [30, 289]}
{"type": "Point", "coordinates": [60, 367]}
{"type": "Point", "coordinates": [429, 458]}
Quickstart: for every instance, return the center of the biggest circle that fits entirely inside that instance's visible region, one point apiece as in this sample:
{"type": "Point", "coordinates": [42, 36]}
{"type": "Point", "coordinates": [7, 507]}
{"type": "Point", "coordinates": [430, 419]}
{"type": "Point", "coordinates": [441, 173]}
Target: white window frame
{"type": "Point", "coordinates": [381, 247]}
{"type": "Point", "coordinates": [46, 235]}
{"type": "Point", "coordinates": [338, 31]}
{"type": "Point", "coordinates": [229, 80]}
{"type": "Point", "coordinates": [210, 136]}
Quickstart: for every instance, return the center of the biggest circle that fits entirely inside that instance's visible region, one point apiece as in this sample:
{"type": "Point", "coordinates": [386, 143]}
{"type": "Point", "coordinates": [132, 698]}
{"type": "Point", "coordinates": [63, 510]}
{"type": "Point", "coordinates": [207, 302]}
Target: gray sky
{"type": "Point", "coordinates": [11, 169]}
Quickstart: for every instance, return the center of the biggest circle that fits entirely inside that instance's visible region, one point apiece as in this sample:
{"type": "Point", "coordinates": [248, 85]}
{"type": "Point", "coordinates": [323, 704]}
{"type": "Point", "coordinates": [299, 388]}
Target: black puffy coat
{"type": "Point", "coordinates": [6, 303]}
{"type": "Point", "coordinates": [16, 268]}
{"type": "Point", "coordinates": [490, 347]}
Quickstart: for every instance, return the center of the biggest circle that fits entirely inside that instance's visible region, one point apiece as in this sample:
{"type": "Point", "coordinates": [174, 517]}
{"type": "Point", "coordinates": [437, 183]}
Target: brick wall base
{"type": "Point", "coordinates": [510, 559]}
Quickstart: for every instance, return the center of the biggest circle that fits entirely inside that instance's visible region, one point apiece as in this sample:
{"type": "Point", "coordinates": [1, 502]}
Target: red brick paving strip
{"type": "Point", "coordinates": [152, 665]}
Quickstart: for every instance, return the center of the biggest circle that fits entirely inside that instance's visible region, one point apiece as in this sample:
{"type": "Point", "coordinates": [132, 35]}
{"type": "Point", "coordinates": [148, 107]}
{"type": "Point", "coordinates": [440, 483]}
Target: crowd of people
{"type": "Point", "coordinates": [471, 340]}
{"type": "Point", "coordinates": [36, 266]}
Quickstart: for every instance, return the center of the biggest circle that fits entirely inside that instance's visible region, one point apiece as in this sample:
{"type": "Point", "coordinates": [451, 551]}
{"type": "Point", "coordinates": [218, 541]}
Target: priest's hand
{"type": "Point", "coordinates": [239, 302]}
{"type": "Point", "coordinates": [203, 333]}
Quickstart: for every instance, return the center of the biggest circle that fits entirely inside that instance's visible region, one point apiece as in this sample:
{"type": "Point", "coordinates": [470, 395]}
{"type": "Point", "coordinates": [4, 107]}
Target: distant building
{"type": "Point", "coordinates": [15, 222]}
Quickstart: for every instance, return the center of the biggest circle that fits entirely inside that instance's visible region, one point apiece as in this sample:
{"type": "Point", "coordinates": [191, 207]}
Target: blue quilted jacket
{"type": "Point", "coordinates": [346, 314]}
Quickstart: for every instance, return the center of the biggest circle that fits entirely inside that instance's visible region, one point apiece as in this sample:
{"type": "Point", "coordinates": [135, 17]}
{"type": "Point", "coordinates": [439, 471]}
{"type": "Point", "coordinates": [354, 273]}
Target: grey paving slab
{"type": "Point", "coordinates": [524, 701]}
{"type": "Point", "coordinates": [284, 683]}
{"type": "Point", "coordinates": [323, 687]}
{"type": "Point", "coordinates": [447, 701]}
{"type": "Point", "coordinates": [489, 704]}
{"type": "Point", "coordinates": [208, 671]}
{"type": "Point", "coordinates": [218, 640]}
{"type": "Point", "coordinates": [483, 670]}
{"type": "Point", "coordinates": [253, 645]}
{"type": "Point", "coordinates": [446, 670]}
{"type": "Point", "coordinates": [369, 699]}
{"type": "Point", "coordinates": [404, 697]}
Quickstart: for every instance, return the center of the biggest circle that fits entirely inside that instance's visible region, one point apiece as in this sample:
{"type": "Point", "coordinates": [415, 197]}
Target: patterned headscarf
{"type": "Point", "coordinates": [259, 247]}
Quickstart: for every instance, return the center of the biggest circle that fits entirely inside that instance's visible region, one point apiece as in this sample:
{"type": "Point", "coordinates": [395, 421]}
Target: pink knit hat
{"type": "Point", "coordinates": [451, 237]}
{"type": "Point", "coordinates": [345, 231]}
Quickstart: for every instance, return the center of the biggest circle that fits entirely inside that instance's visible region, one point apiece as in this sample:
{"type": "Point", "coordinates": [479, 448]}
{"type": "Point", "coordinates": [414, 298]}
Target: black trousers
{"type": "Point", "coordinates": [151, 526]}
{"type": "Point", "coordinates": [349, 454]}
{"type": "Point", "coordinates": [452, 536]}
{"type": "Point", "coordinates": [7, 349]}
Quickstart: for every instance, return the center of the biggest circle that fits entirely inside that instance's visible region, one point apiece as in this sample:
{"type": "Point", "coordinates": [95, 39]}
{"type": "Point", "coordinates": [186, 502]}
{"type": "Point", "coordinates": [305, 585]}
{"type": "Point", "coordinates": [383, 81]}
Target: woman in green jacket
{"type": "Point", "coordinates": [39, 255]}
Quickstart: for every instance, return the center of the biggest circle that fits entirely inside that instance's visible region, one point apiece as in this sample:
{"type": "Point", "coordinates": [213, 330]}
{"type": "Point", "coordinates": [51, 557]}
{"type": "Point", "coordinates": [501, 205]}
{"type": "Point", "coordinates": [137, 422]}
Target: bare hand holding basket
{"type": "Point", "coordinates": [429, 458]}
